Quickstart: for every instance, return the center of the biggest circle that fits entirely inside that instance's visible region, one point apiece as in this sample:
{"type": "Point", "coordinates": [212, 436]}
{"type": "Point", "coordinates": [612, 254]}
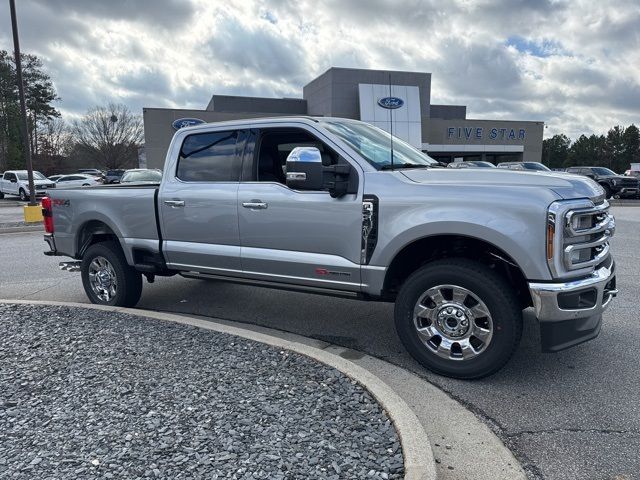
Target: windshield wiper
{"type": "Point", "coordinates": [405, 165]}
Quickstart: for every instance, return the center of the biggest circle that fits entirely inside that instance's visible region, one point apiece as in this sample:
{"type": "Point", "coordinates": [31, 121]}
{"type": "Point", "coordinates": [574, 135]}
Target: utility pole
{"type": "Point", "coordinates": [23, 107]}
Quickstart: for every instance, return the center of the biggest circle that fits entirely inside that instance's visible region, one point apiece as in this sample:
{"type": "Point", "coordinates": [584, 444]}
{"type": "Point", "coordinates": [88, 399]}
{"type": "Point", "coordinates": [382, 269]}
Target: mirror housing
{"type": "Point", "coordinates": [304, 169]}
{"type": "Point", "coordinates": [306, 172]}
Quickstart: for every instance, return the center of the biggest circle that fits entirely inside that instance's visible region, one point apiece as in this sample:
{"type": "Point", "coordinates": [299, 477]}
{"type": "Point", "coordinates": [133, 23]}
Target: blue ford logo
{"type": "Point", "coordinates": [390, 103]}
{"type": "Point", "coordinates": [186, 122]}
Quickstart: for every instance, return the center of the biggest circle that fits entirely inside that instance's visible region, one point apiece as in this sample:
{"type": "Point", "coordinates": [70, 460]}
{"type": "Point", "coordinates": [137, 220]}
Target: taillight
{"type": "Point", "coordinates": [47, 214]}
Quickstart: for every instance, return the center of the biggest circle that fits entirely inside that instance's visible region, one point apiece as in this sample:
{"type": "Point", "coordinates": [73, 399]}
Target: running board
{"type": "Point", "coordinates": [70, 266]}
{"type": "Point", "coordinates": [276, 285]}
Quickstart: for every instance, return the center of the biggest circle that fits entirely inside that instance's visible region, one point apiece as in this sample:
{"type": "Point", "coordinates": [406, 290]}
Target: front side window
{"type": "Point", "coordinates": [209, 157]}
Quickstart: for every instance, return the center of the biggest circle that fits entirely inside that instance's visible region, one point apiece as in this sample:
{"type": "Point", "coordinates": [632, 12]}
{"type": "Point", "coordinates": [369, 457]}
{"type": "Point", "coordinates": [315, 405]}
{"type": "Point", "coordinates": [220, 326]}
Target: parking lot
{"type": "Point", "coordinates": [574, 414]}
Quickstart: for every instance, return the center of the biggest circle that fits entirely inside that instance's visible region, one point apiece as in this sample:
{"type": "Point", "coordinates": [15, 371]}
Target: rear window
{"type": "Point", "coordinates": [209, 157]}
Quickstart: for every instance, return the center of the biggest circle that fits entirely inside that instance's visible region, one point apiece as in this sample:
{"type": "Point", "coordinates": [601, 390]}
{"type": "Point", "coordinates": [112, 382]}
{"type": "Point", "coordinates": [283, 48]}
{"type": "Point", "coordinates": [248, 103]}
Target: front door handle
{"type": "Point", "coordinates": [255, 204]}
{"type": "Point", "coordinates": [174, 203]}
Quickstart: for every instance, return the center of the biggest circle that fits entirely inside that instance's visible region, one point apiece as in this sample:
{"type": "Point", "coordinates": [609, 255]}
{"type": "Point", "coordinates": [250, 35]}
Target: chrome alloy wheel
{"type": "Point", "coordinates": [453, 322]}
{"type": "Point", "coordinates": [102, 279]}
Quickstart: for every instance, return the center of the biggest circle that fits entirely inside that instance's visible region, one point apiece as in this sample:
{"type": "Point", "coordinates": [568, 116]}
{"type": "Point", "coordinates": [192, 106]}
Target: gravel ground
{"type": "Point", "coordinates": [91, 394]}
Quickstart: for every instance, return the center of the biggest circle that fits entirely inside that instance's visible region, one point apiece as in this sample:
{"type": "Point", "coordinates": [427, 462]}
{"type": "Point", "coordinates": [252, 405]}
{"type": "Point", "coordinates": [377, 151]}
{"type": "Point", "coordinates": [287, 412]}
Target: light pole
{"type": "Point", "coordinates": [23, 108]}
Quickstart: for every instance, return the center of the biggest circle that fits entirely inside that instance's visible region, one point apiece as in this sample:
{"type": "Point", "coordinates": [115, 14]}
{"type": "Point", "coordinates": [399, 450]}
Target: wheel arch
{"type": "Point", "coordinates": [426, 249]}
{"type": "Point", "coordinates": [92, 232]}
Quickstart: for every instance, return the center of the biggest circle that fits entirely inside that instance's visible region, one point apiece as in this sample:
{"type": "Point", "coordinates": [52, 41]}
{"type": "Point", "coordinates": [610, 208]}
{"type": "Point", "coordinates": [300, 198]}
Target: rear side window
{"type": "Point", "coordinates": [209, 157]}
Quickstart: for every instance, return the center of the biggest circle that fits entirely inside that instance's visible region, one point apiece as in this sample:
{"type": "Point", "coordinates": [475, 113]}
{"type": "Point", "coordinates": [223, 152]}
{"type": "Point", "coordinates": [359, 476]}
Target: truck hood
{"type": "Point", "coordinates": [565, 185]}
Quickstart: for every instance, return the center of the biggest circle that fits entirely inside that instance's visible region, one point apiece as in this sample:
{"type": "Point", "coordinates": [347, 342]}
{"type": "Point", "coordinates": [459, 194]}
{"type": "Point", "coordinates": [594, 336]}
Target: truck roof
{"type": "Point", "coordinates": [267, 120]}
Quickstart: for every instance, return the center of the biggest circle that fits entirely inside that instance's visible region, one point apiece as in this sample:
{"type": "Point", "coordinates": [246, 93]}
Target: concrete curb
{"type": "Point", "coordinates": [23, 228]}
{"type": "Point", "coordinates": [419, 461]}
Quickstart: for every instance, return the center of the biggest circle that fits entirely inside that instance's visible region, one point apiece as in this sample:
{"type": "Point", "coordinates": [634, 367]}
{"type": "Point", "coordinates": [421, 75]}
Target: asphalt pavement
{"type": "Point", "coordinates": [570, 415]}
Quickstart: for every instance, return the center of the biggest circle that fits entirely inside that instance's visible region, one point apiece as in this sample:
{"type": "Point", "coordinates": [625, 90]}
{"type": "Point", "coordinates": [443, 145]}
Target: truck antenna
{"type": "Point", "coordinates": [391, 123]}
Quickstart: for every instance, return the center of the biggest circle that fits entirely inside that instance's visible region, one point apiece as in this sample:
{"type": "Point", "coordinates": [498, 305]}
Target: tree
{"type": "Point", "coordinates": [110, 134]}
{"type": "Point", "coordinates": [54, 141]}
{"type": "Point", "coordinates": [631, 146]}
{"type": "Point", "coordinates": [588, 151]}
{"type": "Point", "coordinates": [39, 95]}
{"type": "Point", "coordinates": [555, 150]}
{"type": "Point", "coordinates": [614, 149]}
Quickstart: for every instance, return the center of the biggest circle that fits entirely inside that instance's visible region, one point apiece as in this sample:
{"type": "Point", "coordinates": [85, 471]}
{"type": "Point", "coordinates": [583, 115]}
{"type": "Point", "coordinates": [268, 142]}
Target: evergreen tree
{"type": "Point", "coordinates": [555, 150]}
{"type": "Point", "coordinates": [39, 97]}
{"type": "Point", "coordinates": [631, 146]}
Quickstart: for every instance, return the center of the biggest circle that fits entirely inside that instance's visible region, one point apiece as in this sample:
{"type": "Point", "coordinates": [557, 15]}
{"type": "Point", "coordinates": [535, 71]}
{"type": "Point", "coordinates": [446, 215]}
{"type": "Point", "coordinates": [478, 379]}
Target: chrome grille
{"type": "Point", "coordinates": [586, 236]}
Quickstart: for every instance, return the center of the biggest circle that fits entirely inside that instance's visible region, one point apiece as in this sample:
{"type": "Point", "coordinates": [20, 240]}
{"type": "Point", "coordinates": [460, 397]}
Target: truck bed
{"type": "Point", "coordinates": [129, 211]}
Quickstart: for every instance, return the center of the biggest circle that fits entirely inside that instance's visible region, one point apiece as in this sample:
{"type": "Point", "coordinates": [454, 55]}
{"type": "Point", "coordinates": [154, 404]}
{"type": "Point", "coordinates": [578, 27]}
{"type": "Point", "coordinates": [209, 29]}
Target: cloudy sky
{"type": "Point", "coordinates": [572, 64]}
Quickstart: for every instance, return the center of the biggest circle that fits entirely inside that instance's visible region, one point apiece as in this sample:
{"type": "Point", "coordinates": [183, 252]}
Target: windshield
{"type": "Point", "coordinates": [374, 144]}
{"type": "Point", "coordinates": [603, 171]}
{"type": "Point", "coordinates": [36, 176]}
{"type": "Point", "coordinates": [535, 166]}
{"type": "Point", "coordinates": [142, 176]}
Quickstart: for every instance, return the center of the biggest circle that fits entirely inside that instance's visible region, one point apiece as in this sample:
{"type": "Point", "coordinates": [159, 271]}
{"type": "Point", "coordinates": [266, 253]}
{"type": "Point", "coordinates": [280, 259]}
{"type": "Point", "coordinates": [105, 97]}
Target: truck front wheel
{"type": "Point", "coordinates": [458, 318]}
{"type": "Point", "coordinates": [107, 277]}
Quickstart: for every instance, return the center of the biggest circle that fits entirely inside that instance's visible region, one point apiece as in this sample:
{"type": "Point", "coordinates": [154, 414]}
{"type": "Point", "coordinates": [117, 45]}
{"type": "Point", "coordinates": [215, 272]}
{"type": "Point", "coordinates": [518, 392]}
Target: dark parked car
{"type": "Point", "coordinates": [114, 176]}
{"type": "Point", "coordinates": [472, 164]}
{"type": "Point", "coordinates": [524, 166]}
{"type": "Point", "coordinates": [613, 184]}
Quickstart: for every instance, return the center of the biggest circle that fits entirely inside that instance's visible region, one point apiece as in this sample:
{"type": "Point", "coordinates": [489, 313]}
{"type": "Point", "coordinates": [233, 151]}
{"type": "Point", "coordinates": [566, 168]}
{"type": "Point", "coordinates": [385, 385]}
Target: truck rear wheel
{"type": "Point", "coordinates": [107, 277]}
{"type": "Point", "coordinates": [458, 318]}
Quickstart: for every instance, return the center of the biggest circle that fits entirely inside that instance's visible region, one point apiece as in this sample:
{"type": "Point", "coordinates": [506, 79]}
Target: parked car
{"type": "Point", "coordinates": [471, 164]}
{"type": "Point", "coordinates": [613, 184]}
{"type": "Point", "coordinates": [524, 166]}
{"type": "Point", "coordinates": [114, 176]}
{"type": "Point", "coordinates": [142, 175]}
{"type": "Point", "coordinates": [76, 180]}
{"type": "Point", "coordinates": [632, 173]}
{"type": "Point", "coordinates": [98, 174]}
{"type": "Point", "coordinates": [16, 182]}
{"type": "Point", "coordinates": [54, 178]}
{"type": "Point", "coordinates": [341, 220]}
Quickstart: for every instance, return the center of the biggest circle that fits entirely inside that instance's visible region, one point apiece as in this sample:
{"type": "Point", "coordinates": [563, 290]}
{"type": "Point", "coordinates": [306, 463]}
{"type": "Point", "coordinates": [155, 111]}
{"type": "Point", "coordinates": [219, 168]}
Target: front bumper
{"type": "Point", "coordinates": [571, 312]}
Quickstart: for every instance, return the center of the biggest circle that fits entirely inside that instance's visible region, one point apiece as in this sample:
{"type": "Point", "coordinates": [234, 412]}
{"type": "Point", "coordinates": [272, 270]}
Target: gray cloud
{"type": "Point", "coordinates": [262, 51]}
{"type": "Point", "coordinates": [574, 65]}
{"type": "Point", "coordinates": [165, 13]}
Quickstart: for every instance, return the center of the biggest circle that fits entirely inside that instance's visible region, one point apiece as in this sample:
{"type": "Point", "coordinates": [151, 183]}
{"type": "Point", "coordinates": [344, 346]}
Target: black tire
{"type": "Point", "coordinates": [1, 195]}
{"type": "Point", "coordinates": [23, 195]}
{"type": "Point", "coordinates": [488, 286]}
{"type": "Point", "coordinates": [607, 191]}
{"type": "Point", "coordinates": [128, 280]}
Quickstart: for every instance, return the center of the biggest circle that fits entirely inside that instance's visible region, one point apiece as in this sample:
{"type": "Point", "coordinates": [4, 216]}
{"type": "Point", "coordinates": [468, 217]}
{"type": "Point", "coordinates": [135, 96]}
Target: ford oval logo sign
{"type": "Point", "coordinates": [186, 122]}
{"type": "Point", "coordinates": [390, 103]}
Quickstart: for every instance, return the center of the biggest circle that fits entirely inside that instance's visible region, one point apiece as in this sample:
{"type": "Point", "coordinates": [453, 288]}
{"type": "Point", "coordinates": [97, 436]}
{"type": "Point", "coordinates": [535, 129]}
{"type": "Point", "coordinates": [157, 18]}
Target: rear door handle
{"type": "Point", "coordinates": [256, 204]}
{"type": "Point", "coordinates": [174, 203]}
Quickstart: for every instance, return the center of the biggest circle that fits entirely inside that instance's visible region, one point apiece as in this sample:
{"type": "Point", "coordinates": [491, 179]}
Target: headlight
{"type": "Point", "coordinates": [577, 236]}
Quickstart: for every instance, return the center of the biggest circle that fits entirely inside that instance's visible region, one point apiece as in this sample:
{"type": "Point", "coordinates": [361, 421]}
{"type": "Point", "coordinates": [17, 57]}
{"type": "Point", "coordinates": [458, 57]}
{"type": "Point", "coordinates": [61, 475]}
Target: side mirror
{"type": "Point", "coordinates": [304, 169]}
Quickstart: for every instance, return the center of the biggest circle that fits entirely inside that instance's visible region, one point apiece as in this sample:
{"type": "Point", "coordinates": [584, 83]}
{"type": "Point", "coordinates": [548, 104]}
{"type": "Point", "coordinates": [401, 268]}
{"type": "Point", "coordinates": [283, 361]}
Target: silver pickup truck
{"type": "Point", "coordinates": [316, 204]}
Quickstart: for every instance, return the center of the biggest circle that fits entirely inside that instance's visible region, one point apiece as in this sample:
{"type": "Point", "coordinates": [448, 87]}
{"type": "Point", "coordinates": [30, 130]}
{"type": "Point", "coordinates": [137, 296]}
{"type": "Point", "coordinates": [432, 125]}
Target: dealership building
{"type": "Point", "coordinates": [401, 100]}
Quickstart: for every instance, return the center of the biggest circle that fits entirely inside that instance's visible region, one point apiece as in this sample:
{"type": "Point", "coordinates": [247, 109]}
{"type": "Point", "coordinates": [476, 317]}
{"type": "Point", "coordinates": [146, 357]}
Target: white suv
{"type": "Point", "coordinates": [16, 182]}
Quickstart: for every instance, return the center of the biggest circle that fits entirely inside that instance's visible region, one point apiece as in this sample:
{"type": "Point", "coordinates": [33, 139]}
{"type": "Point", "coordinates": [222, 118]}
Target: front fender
{"type": "Point", "coordinates": [518, 230]}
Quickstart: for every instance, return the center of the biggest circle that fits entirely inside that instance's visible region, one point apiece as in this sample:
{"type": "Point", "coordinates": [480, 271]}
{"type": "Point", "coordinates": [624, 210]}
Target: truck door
{"type": "Point", "coordinates": [10, 183]}
{"type": "Point", "coordinates": [295, 237]}
{"type": "Point", "coordinates": [198, 203]}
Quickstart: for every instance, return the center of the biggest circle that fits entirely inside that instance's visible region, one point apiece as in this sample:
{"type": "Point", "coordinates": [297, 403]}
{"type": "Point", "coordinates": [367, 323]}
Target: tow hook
{"type": "Point", "coordinates": [70, 266]}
